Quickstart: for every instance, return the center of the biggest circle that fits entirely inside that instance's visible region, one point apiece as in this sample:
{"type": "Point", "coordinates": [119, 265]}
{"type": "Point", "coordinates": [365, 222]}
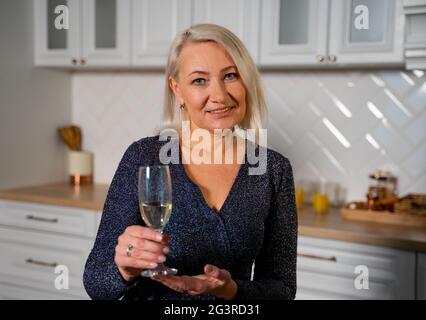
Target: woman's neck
{"type": "Point", "coordinates": [201, 146]}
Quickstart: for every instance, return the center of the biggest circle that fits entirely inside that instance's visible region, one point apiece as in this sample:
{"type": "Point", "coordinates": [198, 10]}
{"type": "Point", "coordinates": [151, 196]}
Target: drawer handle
{"type": "Point", "coordinates": [312, 256]}
{"type": "Point", "coordinates": [41, 263]}
{"type": "Point", "coordinates": [51, 220]}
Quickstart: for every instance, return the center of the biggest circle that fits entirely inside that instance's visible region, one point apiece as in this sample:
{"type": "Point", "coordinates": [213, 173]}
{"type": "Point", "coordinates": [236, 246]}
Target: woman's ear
{"type": "Point", "coordinates": [174, 86]}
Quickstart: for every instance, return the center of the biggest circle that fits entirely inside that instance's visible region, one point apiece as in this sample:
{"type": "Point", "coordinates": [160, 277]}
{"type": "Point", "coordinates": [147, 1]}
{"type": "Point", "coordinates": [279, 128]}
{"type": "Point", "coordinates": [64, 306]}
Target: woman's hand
{"type": "Point", "coordinates": [215, 281]}
{"type": "Point", "coordinates": [139, 248]}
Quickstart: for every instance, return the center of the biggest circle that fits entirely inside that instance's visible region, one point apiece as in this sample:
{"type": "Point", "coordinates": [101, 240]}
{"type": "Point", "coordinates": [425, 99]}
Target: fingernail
{"type": "Point", "coordinates": [209, 269]}
{"type": "Point", "coordinates": [159, 237]}
{"type": "Point", "coordinates": [154, 265]}
{"type": "Point", "coordinates": [166, 250]}
{"type": "Point", "coordinates": [161, 258]}
{"type": "Point", "coordinates": [165, 239]}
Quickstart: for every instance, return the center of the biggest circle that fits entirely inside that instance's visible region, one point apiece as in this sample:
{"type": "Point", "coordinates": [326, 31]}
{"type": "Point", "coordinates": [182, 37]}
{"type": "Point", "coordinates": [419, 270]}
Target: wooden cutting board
{"type": "Point", "coordinates": [384, 217]}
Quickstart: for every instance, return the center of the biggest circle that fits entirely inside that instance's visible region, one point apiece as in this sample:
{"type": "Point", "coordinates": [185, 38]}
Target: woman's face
{"type": "Point", "coordinates": [210, 86]}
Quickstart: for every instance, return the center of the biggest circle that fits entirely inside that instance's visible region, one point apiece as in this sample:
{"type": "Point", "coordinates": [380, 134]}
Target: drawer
{"type": "Point", "coordinates": [342, 257]}
{"type": "Point", "coordinates": [313, 285]}
{"type": "Point", "coordinates": [326, 268]}
{"type": "Point", "coordinates": [29, 259]}
{"type": "Point", "coordinates": [58, 219]}
{"type": "Point", "coordinates": [13, 292]}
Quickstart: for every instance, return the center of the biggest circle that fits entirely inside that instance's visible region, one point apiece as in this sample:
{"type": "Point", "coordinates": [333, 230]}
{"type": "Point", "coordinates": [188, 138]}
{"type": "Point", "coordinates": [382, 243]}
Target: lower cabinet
{"type": "Point", "coordinates": [44, 250]}
{"type": "Point", "coordinates": [421, 276]}
{"type": "Point", "coordinates": [329, 269]}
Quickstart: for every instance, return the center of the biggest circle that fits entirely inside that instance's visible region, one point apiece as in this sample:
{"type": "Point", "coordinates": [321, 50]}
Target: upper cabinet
{"type": "Point", "coordinates": [373, 32]}
{"type": "Point", "coordinates": [415, 34]}
{"type": "Point", "coordinates": [82, 32]}
{"type": "Point", "coordinates": [239, 16]}
{"type": "Point", "coordinates": [293, 32]}
{"type": "Point", "coordinates": [331, 32]}
{"type": "Point", "coordinates": [105, 33]}
{"type": "Point", "coordinates": [278, 33]}
{"type": "Point", "coordinates": [56, 37]}
{"type": "Point", "coordinates": [155, 24]}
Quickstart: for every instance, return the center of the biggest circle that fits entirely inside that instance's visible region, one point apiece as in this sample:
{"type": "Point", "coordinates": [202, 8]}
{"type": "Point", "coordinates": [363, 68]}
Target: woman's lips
{"type": "Point", "coordinates": [221, 111]}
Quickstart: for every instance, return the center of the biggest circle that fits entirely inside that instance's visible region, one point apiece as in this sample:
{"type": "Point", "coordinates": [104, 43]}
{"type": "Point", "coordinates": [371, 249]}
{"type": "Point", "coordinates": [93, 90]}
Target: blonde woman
{"type": "Point", "coordinates": [224, 219]}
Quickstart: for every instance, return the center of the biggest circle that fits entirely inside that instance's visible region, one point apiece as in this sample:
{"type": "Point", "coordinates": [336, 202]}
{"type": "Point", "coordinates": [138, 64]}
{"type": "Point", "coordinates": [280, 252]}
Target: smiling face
{"type": "Point", "coordinates": [210, 86]}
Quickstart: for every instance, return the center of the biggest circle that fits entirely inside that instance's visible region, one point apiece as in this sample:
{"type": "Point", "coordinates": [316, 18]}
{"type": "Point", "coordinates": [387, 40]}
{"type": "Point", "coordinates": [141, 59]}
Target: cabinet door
{"type": "Point", "coordinates": [421, 276]}
{"type": "Point", "coordinates": [105, 33]}
{"type": "Point", "coordinates": [155, 24]}
{"type": "Point", "coordinates": [55, 45]}
{"type": "Point", "coordinates": [329, 269]}
{"type": "Point", "coordinates": [366, 31]}
{"type": "Point", "coordinates": [294, 32]}
{"type": "Point", "coordinates": [239, 16]}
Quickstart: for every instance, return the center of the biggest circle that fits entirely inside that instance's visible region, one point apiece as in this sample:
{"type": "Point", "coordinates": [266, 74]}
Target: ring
{"type": "Point", "coordinates": [129, 250]}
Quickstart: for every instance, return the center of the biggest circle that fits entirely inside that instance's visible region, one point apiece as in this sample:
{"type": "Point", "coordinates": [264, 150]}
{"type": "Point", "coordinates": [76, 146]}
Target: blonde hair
{"type": "Point", "coordinates": [256, 109]}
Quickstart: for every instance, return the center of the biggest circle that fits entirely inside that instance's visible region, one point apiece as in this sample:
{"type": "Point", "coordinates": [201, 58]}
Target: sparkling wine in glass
{"type": "Point", "coordinates": [155, 204]}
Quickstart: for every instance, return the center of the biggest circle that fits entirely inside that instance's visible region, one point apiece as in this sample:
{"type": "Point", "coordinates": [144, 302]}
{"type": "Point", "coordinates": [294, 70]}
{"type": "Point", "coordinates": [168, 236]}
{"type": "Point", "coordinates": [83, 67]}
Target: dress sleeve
{"type": "Point", "coordinates": [275, 265]}
{"type": "Point", "coordinates": [102, 279]}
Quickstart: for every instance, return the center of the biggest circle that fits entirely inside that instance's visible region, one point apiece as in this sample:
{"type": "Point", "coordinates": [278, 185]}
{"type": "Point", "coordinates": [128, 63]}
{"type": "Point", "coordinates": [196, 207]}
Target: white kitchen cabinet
{"type": "Point", "coordinates": [330, 33]}
{"type": "Point", "coordinates": [327, 269]}
{"type": "Point", "coordinates": [421, 276]}
{"type": "Point", "coordinates": [98, 33]}
{"type": "Point", "coordinates": [37, 240]}
{"type": "Point", "coordinates": [415, 34]}
{"type": "Point", "coordinates": [381, 43]}
{"type": "Point", "coordinates": [154, 25]}
{"type": "Point", "coordinates": [242, 17]}
{"type": "Point", "coordinates": [293, 32]}
{"type": "Point", "coordinates": [56, 47]}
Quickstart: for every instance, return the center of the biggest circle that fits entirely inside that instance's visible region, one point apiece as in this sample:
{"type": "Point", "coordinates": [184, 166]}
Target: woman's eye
{"type": "Point", "coordinates": [231, 76]}
{"type": "Point", "coordinates": [199, 81]}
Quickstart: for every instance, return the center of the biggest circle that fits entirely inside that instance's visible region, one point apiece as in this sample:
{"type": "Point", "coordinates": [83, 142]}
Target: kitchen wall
{"type": "Point", "coordinates": [33, 103]}
{"type": "Point", "coordinates": [378, 119]}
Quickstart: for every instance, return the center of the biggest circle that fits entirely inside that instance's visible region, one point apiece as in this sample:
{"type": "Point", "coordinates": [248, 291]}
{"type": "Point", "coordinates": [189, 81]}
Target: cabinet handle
{"type": "Point", "coordinates": [83, 61]}
{"type": "Point", "coordinates": [74, 61]}
{"type": "Point", "coordinates": [41, 263]}
{"type": "Point", "coordinates": [312, 256]}
{"type": "Point", "coordinates": [320, 58]}
{"type": "Point", "coordinates": [51, 220]}
{"type": "Point", "coordinates": [332, 58]}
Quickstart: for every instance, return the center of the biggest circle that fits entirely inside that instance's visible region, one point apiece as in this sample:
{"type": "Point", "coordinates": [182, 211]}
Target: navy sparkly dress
{"type": "Point", "coordinates": [257, 222]}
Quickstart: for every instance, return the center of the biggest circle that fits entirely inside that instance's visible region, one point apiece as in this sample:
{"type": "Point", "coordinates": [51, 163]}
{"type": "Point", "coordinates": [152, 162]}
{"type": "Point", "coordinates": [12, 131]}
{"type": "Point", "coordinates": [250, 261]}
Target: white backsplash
{"type": "Point", "coordinates": [380, 115]}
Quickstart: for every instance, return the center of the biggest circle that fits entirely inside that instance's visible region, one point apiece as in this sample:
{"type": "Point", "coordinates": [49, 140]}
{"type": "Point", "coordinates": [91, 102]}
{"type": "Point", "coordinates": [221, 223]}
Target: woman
{"type": "Point", "coordinates": [223, 218]}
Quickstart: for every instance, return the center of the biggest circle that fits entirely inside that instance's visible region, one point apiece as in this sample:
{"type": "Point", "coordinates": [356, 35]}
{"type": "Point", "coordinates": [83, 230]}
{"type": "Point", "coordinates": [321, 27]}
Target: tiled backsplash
{"type": "Point", "coordinates": [334, 126]}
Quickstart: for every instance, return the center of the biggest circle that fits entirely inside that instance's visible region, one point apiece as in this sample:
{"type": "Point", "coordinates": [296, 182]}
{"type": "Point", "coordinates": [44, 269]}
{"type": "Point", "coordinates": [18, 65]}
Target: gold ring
{"type": "Point", "coordinates": [129, 250]}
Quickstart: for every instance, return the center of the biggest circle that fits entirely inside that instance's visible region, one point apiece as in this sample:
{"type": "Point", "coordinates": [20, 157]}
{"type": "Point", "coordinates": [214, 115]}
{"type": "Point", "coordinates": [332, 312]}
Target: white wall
{"type": "Point", "coordinates": [33, 103]}
{"type": "Point", "coordinates": [116, 108]}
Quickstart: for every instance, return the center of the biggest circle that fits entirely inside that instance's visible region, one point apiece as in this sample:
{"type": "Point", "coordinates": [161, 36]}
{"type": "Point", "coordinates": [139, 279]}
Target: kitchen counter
{"type": "Point", "coordinates": [61, 194]}
{"type": "Point", "coordinates": [330, 225]}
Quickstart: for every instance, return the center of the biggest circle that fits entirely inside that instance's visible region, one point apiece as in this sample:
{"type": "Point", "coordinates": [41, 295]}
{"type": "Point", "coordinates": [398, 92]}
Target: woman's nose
{"type": "Point", "coordinates": [218, 92]}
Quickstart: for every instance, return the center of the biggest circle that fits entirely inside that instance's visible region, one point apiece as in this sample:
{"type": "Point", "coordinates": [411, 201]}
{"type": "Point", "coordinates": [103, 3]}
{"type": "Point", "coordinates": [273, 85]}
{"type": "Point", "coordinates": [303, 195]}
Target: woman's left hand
{"type": "Point", "coordinates": [214, 281]}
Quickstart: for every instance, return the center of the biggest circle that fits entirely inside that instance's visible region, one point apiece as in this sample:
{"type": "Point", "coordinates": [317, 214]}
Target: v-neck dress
{"type": "Point", "coordinates": [257, 224]}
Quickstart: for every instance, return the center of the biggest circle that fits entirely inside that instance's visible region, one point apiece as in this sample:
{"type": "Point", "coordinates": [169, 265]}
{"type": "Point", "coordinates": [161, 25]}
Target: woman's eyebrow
{"type": "Point", "coordinates": [205, 72]}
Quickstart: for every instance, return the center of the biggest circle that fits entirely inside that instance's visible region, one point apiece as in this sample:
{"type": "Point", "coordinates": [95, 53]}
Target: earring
{"type": "Point", "coordinates": [182, 106]}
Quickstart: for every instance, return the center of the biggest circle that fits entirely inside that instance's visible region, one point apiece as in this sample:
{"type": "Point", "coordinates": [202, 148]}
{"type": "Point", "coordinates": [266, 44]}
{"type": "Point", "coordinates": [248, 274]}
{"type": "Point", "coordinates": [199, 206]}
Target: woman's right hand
{"type": "Point", "coordinates": [149, 249]}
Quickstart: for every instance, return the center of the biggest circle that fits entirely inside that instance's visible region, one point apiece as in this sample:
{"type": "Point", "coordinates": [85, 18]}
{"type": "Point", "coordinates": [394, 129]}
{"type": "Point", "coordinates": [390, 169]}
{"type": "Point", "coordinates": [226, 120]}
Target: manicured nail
{"type": "Point", "coordinates": [209, 269]}
{"type": "Point", "coordinates": [165, 239]}
{"type": "Point", "coordinates": [154, 265]}
{"type": "Point", "coordinates": [159, 237]}
{"type": "Point", "coordinates": [161, 258]}
{"type": "Point", "coordinates": [166, 250]}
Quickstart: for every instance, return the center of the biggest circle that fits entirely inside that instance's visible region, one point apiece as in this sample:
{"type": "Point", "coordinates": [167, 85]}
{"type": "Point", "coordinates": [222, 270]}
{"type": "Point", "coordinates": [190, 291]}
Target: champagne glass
{"type": "Point", "coordinates": [155, 204]}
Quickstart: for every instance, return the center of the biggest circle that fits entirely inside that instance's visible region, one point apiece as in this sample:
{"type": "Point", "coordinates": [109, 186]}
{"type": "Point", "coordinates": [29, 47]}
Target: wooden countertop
{"type": "Point", "coordinates": [330, 225]}
{"type": "Point", "coordinates": [61, 194]}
